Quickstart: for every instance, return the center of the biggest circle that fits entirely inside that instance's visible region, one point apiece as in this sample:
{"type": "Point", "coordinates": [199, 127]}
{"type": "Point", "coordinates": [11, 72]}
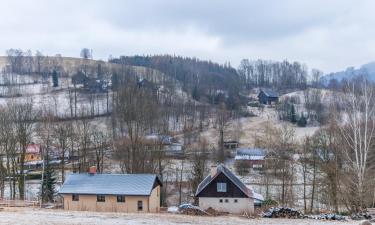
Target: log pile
{"type": "Point", "coordinates": [276, 212]}
{"type": "Point", "coordinates": [192, 210]}
{"type": "Point", "coordinates": [328, 216]}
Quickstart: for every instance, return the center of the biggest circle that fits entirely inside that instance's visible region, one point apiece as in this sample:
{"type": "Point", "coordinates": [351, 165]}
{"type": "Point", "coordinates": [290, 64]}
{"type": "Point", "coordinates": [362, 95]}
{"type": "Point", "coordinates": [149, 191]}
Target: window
{"type": "Point", "coordinates": [75, 197]}
{"type": "Point", "coordinates": [226, 200]}
{"type": "Point", "coordinates": [120, 198]}
{"type": "Point", "coordinates": [221, 200]}
{"type": "Point", "coordinates": [235, 200]}
{"type": "Point", "coordinates": [221, 187]}
{"type": "Point", "coordinates": [140, 205]}
{"type": "Point", "coordinates": [100, 198]}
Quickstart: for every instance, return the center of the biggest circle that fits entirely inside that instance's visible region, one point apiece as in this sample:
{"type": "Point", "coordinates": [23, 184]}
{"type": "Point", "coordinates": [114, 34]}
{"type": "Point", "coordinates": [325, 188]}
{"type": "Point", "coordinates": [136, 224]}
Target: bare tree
{"type": "Point", "coordinates": [358, 132]}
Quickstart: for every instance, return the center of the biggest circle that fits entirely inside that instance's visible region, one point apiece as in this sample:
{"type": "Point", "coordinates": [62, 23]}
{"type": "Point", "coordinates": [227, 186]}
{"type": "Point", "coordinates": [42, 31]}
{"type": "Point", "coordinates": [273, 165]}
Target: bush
{"type": "Point", "coordinates": [302, 122]}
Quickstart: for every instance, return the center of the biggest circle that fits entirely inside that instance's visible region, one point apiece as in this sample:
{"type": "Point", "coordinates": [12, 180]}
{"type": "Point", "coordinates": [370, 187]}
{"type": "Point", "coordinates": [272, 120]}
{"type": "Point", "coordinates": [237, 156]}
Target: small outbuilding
{"type": "Point", "coordinates": [225, 192]}
{"type": "Point", "coordinates": [267, 96]}
{"type": "Point", "coordinates": [111, 192]}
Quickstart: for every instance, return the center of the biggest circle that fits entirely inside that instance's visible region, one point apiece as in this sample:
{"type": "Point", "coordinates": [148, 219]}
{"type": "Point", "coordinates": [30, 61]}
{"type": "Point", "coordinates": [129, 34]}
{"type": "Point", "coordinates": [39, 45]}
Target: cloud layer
{"type": "Point", "coordinates": [329, 35]}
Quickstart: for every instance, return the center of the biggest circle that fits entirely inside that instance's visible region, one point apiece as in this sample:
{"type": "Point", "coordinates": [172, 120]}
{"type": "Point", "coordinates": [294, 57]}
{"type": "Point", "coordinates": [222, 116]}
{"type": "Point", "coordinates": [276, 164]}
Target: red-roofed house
{"type": "Point", "coordinates": [33, 153]}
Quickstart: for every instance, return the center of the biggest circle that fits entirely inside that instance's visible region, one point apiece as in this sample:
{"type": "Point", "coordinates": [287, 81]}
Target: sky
{"type": "Point", "coordinates": [329, 35]}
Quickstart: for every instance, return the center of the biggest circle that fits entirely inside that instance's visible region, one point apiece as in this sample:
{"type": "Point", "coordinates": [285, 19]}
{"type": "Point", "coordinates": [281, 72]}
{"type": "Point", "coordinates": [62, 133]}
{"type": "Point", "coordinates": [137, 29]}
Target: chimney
{"type": "Point", "coordinates": [213, 170]}
{"type": "Point", "coordinates": [92, 170]}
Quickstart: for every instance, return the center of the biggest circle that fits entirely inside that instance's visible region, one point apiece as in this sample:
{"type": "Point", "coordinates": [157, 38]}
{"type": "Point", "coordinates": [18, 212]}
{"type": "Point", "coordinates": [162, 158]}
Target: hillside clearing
{"type": "Point", "coordinates": [58, 217]}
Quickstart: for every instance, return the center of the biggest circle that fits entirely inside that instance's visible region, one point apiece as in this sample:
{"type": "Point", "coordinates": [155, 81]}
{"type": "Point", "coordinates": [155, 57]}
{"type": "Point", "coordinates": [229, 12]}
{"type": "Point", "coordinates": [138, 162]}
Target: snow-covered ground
{"type": "Point", "coordinates": [30, 216]}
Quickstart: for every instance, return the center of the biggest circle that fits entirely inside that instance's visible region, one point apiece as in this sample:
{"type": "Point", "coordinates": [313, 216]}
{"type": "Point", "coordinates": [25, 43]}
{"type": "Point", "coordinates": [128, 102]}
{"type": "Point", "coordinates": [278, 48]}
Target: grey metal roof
{"type": "Point", "coordinates": [270, 93]}
{"type": "Point", "coordinates": [111, 184]}
{"type": "Point", "coordinates": [251, 151]}
{"type": "Point", "coordinates": [222, 169]}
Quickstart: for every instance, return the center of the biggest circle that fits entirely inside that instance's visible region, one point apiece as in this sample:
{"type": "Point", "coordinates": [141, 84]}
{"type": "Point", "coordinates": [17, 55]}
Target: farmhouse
{"type": "Point", "coordinates": [224, 192]}
{"type": "Point", "coordinates": [111, 192]}
{"type": "Point", "coordinates": [268, 96]}
{"type": "Point", "coordinates": [254, 157]}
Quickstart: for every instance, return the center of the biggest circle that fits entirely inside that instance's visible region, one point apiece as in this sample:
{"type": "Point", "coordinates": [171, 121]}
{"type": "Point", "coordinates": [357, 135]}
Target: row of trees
{"type": "Point", "coordinates": [283, 75]}
{"type": "Point", "coordinates": [335, 163]}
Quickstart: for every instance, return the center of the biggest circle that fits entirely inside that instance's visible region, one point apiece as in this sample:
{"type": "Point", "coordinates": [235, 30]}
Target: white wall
{"type": "Point", "coordinates": [242, 205]}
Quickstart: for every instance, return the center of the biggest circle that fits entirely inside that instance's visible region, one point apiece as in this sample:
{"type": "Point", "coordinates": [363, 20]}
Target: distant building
{"type": "Point", "coordinates": [224, 192]}
{"type": "Point", "coordinates": [266, 96]}
{"type": "Point", "coordinates": [169, 144]}
{"type": "Point", "coordinates": [33, 153]}
{"type": "Point", "coordinates": [111, 192]}
{"type": "Point", "coordinates": [254, 157]}
{"type": "Point", "coordinates": [230, 144]}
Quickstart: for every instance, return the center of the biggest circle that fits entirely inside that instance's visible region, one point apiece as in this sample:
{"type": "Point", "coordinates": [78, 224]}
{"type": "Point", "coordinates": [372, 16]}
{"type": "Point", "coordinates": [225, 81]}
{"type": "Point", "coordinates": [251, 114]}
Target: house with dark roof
{"type": "Point", "coordinates": [111, 192]}
{"type": "Point", "coordinates": [267, 96]}
{"type": "Point", "coordinates": [225, 192]}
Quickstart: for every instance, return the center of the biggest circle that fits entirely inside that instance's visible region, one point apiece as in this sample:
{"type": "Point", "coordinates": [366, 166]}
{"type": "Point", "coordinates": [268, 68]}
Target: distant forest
{"type": "Point", "coordinates": [204, 78]}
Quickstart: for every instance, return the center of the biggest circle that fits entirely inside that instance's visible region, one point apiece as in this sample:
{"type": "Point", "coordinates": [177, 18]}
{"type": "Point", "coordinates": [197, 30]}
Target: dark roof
{"type": "Point", "coordinates": [251, 151]}
{"type": "Point", "coordinates": [111, 184]}
{"type": "Point", "coordinates": [222, 169]}
{"type": "Point", "coordinates": [270, 93]}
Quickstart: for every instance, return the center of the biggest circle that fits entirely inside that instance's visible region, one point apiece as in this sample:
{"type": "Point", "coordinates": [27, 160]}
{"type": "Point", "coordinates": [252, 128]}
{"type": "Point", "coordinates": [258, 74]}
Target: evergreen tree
{"type": "Point", "coordinates": [302, 122]}
{"type": "Point", "coordinates": [49, 182]}
{"type": "Point", "coordinates": [293, 116]}
{"type": "Point", "coordinates": [55, 79]}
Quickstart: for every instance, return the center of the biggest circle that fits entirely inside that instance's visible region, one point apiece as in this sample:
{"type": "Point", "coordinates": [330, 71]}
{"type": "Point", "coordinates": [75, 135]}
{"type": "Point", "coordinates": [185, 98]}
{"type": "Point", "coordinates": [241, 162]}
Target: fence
{"type": "Point", "coordinates": [18, 203]}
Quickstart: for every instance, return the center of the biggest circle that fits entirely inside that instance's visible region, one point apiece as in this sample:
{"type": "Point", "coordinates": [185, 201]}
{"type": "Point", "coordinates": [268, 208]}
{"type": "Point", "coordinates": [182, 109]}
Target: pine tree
{"type": "Point", "coordinates": [55, 79]}
{"type": "Point", "coordinates": [302, 122]}
{"type": "Point", "coordinates": [293, 116]}
{"type": "Point", "coordinates": [49, 182]}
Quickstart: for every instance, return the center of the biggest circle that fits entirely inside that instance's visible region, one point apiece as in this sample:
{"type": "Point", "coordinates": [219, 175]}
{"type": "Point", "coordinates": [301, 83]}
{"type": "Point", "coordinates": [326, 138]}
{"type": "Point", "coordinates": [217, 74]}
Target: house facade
{"type": "Point", "coordinates": [253, 157]}
{"type": "Point", "coordinates": [224, 192]}
{"type": "Point", "coordinates": [112, 192]}
{"type": "Point", "coordinates": [268, 96]}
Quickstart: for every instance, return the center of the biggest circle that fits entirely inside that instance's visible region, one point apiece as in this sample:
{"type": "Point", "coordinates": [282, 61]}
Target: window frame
{"type": "Point", "coordinates": [100, 198]}
{"type": "Point", "coordinates": [75, 197]}
{"type": "Point", "coordinates": [140, 205]}
{"type": "Point", "coordinates": [120, 198]}
{"type": "Point", "coordinates": [221, 187]}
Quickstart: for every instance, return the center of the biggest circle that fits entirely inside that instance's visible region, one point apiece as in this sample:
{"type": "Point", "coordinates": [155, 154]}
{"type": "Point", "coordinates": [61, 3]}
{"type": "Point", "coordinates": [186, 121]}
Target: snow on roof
{"type": "Point", "coordinates": [270, 93]}
{"type": "Point", "coordinates": [257, 197]}
{"type": "Point", "coordinates": [33, 148]}
{"type": "Point", "coordinates": [250, 152]}
{"type": "Point", "coordinates": [111, 184]}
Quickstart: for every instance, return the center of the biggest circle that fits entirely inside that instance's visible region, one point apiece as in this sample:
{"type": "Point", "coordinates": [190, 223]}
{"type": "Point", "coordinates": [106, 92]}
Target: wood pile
{"type": "Point", "coordinates": [192, 210]}
{"type": "Point", "coordinates": [328, 216]}
{"type": "Point", "coordinates": [276, 212]}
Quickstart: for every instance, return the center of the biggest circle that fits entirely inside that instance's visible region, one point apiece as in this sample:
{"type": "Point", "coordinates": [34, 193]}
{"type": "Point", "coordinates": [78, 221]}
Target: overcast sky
{"type": "Point", "coordinates": [326, 34]}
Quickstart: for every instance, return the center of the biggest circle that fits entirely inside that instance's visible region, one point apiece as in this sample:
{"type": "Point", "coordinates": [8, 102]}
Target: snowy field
{"type": "Point", "coordinates": [59, 217]}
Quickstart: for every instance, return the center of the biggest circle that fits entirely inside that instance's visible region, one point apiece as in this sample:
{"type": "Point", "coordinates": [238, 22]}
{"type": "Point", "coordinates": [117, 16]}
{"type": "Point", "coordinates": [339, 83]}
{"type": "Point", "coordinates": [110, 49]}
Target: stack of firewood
{"type": "Point", "coordinates": [276, 212]}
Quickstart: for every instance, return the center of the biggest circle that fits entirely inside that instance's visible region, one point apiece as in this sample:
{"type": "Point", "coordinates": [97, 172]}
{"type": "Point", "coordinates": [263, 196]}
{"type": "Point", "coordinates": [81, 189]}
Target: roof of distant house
{"type": "Point", "coordinates": [110, 184]}
{"type": "Point", "coordinates": [270, 93]}
{"type": "Point", "coordinates": [250, 154]}
{"type": "Point", "coordinates": [222, 169]}
{"type": "Point", "coordinates": [33, 148]}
